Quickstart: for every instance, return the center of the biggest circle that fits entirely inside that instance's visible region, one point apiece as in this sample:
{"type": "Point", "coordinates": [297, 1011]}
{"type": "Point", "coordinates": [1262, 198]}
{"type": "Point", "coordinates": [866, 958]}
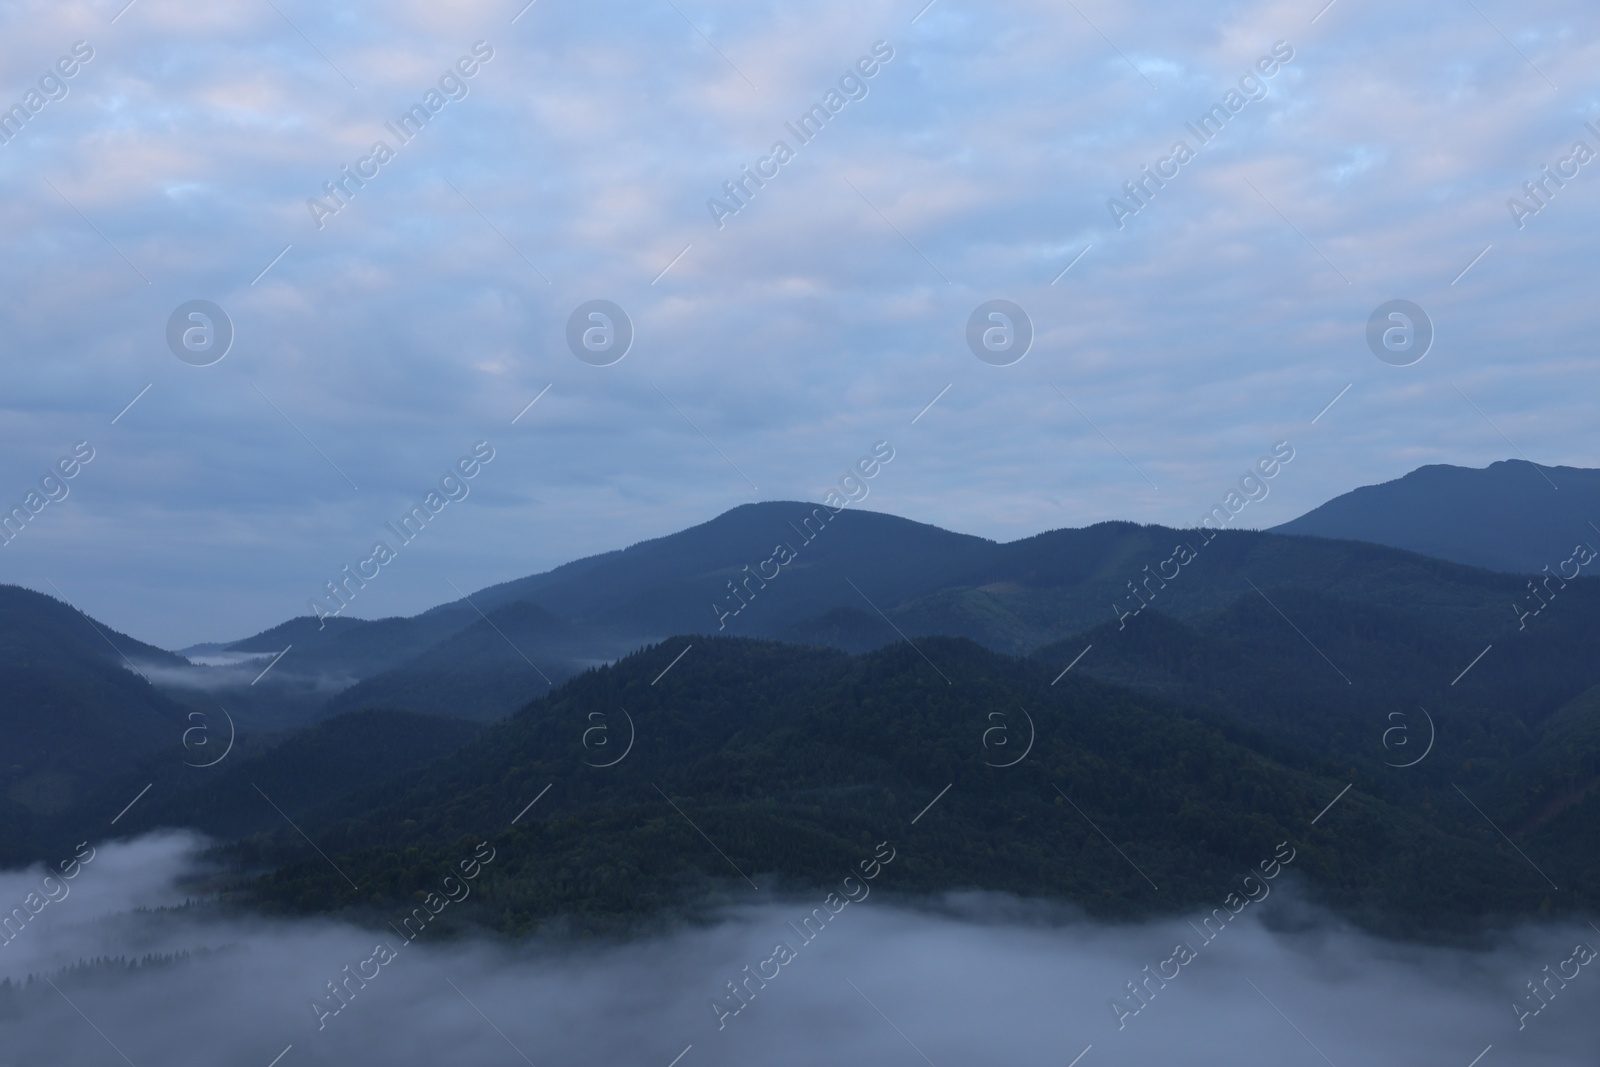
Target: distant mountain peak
{"type": "Point", "coordinates": [1512, 515]}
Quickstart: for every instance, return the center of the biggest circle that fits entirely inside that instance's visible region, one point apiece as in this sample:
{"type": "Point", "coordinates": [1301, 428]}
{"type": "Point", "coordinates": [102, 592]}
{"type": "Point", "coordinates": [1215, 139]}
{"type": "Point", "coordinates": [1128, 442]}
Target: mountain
{"type": "Point", "coordinates": [1511, 516]}
{"type": "Point", "coordinates": [75, 707]}
{"type": "Point", "coordinates": [669, 585]}
{"type": "Point", "coordinates": [790, 571]}
{"type": "Point", "coordinates": [289, 675]}
{"type": "Point", "coordinates": [483, 656]}
{"type": "Point", "coordinates": [488, 669]}
{"type": "Point", "coordinates": [263, 781]}
{"type": "Point", "coordinates": [1370, 686]}
{"type": "Point", "coordinates": [755, 764]}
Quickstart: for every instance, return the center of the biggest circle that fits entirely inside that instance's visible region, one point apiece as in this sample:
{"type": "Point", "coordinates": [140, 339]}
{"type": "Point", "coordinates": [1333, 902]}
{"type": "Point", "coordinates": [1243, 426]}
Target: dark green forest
{"type": "Point", "coordinates": [785, 764]}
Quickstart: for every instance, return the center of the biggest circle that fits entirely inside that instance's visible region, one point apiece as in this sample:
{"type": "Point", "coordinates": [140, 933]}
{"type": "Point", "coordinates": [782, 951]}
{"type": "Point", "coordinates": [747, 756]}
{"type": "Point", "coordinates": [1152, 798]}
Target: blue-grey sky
{"type": "Point", "coordinates": [577, 163]}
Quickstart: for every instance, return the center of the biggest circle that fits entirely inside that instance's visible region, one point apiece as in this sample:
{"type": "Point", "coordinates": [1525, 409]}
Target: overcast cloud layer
{"type": "Point", "coordinates": [825, 315]}
{"type": "Point", "coordinates": [984, 980]}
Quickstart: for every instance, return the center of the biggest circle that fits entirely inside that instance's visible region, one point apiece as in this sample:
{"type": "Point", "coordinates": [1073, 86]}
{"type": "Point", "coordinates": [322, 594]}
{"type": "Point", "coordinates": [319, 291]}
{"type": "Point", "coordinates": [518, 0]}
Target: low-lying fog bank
{"type": "Point", "coordinates": [984, 980]}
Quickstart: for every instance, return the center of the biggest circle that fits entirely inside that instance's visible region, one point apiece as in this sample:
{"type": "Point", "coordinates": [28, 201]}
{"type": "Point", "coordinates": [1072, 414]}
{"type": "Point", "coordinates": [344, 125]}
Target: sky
{"type": "Point", "coordinates": [381, 333]}
{"type": "Point", "coordinates": [970, 978]}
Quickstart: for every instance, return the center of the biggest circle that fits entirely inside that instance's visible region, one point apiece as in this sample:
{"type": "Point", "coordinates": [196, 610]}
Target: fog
{"type": "Point", "coordinates": [239, 671]}
{"type": "Point", "coordinates": [225, 659]}
{"type": "Point", "coordinates": [974, 979]}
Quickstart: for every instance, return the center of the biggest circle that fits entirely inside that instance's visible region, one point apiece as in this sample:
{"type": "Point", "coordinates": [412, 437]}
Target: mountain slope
{"type": "Point", "coordinates": [1335, 674]}
{"type": "Point", "coordinates": [794, 763]}
{"type": "Point", "coordinates": [486, 670]}
{"type": "Point", "coordinates": [310, 770]}
{"type": "Point", "coordinates": [73, 707]}
{"type": "Point", "coordinates": [1510, 516]}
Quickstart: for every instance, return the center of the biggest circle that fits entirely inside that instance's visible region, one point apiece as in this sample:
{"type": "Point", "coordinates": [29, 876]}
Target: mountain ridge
{"type": "Point", "coordinates": [1512, 516]}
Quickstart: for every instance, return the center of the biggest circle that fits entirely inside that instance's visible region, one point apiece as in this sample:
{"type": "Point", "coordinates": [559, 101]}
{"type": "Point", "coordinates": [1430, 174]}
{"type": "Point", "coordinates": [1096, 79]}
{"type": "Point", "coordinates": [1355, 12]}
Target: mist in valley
{"type": "Point", "coordinates": [974, 978]}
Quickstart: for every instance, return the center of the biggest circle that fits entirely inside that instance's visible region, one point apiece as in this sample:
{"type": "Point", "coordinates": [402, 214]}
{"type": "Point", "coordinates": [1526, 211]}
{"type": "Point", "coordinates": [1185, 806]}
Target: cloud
{"type": "Point", "coordinates": [975, 978]}
{"type": "Point", "coordinates": [821, 318]}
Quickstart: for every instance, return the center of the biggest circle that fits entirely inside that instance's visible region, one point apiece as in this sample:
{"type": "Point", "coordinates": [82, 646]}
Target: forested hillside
{"type": "Point", "coordinates": [778, 766]}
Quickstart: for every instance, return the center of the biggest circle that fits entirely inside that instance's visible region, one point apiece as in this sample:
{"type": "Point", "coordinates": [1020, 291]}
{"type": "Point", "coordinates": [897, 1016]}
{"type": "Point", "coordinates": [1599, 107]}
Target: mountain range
{"type": "Point", "coordinates": [856, 580]}
{"type": "Point", "coordinates": [787, 681]}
